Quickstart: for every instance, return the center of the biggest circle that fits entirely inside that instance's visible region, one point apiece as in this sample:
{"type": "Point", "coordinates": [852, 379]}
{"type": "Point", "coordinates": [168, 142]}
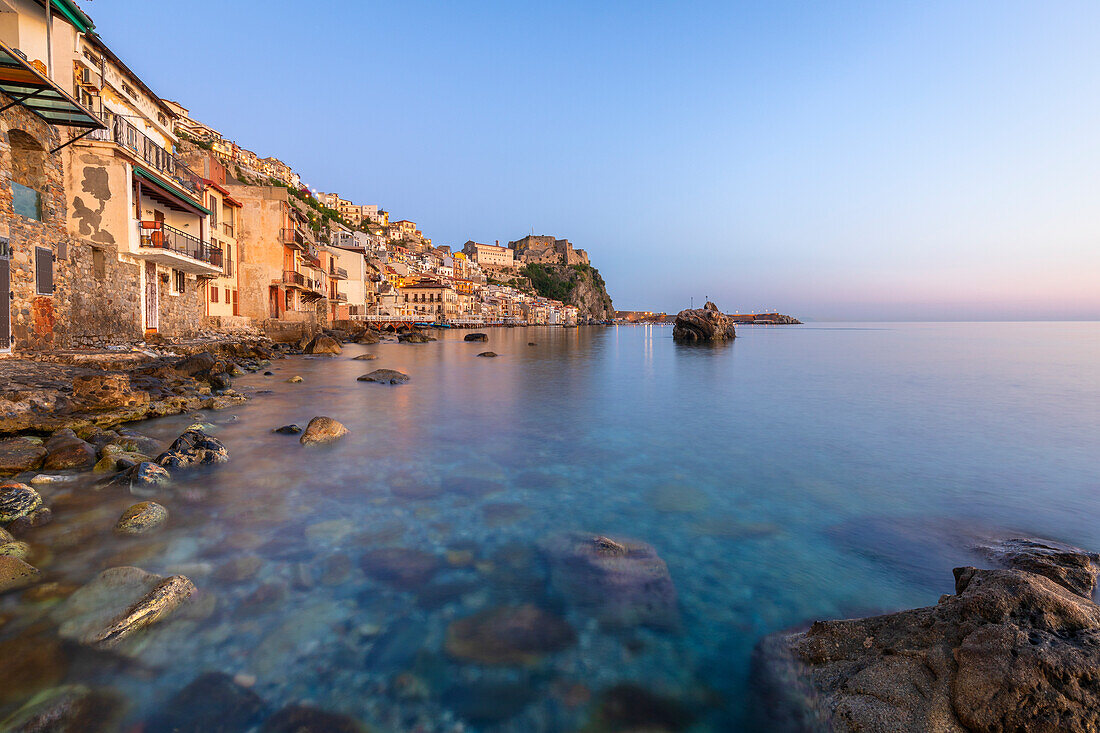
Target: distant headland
{"type": "Point", "coordinates": [760, 319]}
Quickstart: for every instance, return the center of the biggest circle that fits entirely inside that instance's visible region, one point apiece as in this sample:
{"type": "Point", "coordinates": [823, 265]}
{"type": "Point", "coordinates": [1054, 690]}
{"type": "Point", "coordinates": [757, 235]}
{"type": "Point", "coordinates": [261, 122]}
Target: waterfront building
{"type": "Point", "coordinates": [223, 292]}
{"type": "Point", "coordinates": [429, 299]}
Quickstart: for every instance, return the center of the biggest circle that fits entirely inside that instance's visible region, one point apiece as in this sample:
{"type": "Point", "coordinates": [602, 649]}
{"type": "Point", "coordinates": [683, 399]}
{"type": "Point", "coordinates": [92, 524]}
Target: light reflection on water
{"type": "Point", "coordinates": [798, 473]}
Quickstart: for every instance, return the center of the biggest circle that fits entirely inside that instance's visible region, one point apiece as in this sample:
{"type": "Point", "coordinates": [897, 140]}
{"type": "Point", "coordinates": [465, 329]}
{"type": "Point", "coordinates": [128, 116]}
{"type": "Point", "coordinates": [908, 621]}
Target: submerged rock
{"type": "Point", "coordinates": [17, 500]}
{"type": "Point", "coordinates": [366, 357]}
{"type": "Point", "coordinates": [143, 518]}
{"type": "Point", "coordinates": [21, 454]}
{"type": "Point", "coordinates": [212, 703]}
{"type": "Point", "coordinates": [119, 602]}
{"type": "Point", "coordinates": [15, 574]}
{"type": "Point", "coordinates": [305, 719]}
{"type": "Point", "coordinates": [323, 345]}
{"type": "Point", "coordinates": [621, 582]}
{"type": "Point", "coordinates": [512, 636]}
{"type": "Point", "coordinates": [67, 709]}
{"type": "Point", "coordinates": [385, 376]}
{"type": "Point", "coordinates": [14, 548]}
{"type": "Point", "coordinates": [291, 429]}
{"type": "Point", "coordinates": [295, 380]}
{"type": "Point", "coordinates": [403, 568]}
{"type": "Point", "coordinates": [194, 447]}
{"type": "Point", "coordinates": [476, 337]}
{"type": "Point", "coordinates": [30, 664]}
{"type": "Point", "coordinates": [628, 707]}
{"type": "Point", "coordinates": [489, 354]}
{"type": "Point", "coordinates": [322, 429]}
{"type": "Point", "coordinates": [1010, 650]}
{"type": "Point", "coordinates": [703, 324]}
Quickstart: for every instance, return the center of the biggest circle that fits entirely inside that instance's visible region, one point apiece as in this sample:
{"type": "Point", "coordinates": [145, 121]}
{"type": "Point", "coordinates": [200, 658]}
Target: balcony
{"type": "Point", "coordinates": [171, 247]}
{"type": "Point", "coordinates": [340, 297]}
{"type": "Point", "coordinates": [120, 131]}
{"type": "Point", "coordinates": [338, 273]}
{"type": "Point", "coordinates": [292, 238]}
{"type": "Point", "coordinates": [295, 279]}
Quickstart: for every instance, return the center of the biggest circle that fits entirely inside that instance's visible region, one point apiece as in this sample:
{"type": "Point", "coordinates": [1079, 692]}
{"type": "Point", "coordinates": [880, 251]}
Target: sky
{"type": "Point", "coordinates": [932, 160]}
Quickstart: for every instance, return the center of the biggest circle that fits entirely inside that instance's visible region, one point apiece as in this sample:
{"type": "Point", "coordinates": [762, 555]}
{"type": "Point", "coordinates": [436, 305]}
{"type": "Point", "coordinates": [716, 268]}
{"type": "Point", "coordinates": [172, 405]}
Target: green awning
{"type": "Point", "coordinates": [170, 190]}
{"type": "Point", "coordinates": [73, 14]}
{"type": "Point", "coordinates": [30, 89]}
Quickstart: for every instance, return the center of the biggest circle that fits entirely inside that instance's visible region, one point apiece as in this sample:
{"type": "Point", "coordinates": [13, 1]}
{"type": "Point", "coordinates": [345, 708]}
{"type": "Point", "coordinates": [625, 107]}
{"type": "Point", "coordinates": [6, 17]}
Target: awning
{"type": "Point", "coordinates": [27, 87]}
{"type": "Point", "coordinates": [171, 190]}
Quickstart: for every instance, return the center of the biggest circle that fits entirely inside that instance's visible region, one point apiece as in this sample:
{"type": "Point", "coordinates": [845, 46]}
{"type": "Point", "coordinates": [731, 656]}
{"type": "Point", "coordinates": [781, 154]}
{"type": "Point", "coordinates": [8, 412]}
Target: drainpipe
{"type": "Point", "coordinates": [49, 38]}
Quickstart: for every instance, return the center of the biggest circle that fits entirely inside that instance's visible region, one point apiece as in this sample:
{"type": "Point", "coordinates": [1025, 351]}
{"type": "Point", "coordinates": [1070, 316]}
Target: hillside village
{"type": "Point", "coordinates": [122, 216]}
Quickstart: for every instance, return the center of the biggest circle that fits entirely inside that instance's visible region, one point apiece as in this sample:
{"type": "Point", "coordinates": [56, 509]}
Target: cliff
{"type": "Point", "coordinates": [579, 285]}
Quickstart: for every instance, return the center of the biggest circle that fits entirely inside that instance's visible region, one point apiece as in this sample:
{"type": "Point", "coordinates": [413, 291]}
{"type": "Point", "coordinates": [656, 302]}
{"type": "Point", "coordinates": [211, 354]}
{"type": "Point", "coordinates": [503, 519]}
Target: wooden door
{"type": "Point", "coordinates": [152, 300]}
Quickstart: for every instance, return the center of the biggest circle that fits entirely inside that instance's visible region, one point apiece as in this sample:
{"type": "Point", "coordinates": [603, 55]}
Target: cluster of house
{"type": "Point", "coordinates": [121, 217]}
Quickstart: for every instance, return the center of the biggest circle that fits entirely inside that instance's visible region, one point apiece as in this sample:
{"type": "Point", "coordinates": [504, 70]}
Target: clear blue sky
{"type": "Point", "coordinates": [834, 160]}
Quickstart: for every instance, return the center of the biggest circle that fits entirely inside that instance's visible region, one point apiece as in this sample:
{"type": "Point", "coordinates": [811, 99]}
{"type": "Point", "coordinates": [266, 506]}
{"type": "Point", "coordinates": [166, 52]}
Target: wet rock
{"type": "Point", "coordinates": [65, 450]}
{"type": "Point", "coordinates": [322, 429]}
{"type": "Point", "coordinates": [511, 635]}
{"type": "Point", "coordinates": [269, 374]}
{"type": "Point", "coordinates": [531, 343]}
{"type": "Point", "coordinates": [703, 324]}
{"type": "Point", "coordinates": [488, 354]}
{"type": "Point", "coordinates": [238, 569]}
{"type": "Point", "coordinates": [368, 337]}
{"type": "Point", "coordinates": [135, 442]}
{"type": "Point", "coordinates": [288, 429]}
{"type": "Point", "coordinates": [621, 582]}
{"type": "Point", "coordinates": [385, 376]}
{"type": "Point", "coordinates": [17, 500]}
{"type": "Point", "coordinates": [144, 518]}
{"type": "Point", "coordinates": [295, 380]}
{"type": "Point", "coordinates": [323, 345]}
{"type": "Point", "coordinates": [15, 574]}
{"type": "Point", "coordinates": [414, 337]}
{"type": "Point", "coordinates": [305, 719]}
{"type": "Point", "coordinates": [21, 454]}
{"type": "Point", "coordinates": [628, 707]}
{"type": "Point", "coordinates": [415, 486]}
{"type": "Point", "coordinates": [366, 357]}
{"type": "Point", "coordinates": [30, 663]}
{"type": "Point", "coordinates": [67, 709]}
{"type": "Point", "coordinates": [40, 517]}
{"type": "Point", "coordinates": [16, 549]}
{"type": "Point", "coordinates": [1070, 567]}
{"type": "Point", "coordinates": [402, 568]}
{"type": "Point", "coordinates": [476, 337]}
{"type": "Point", "coordinates": [212, 703]}
{"type": "Point", "coordinates": [220, 381]}
{"type": "Point", "coordinates": [146, 476]}
{"type": "Point", "coordinates": [488, 702]}
{"type": "Point", "coordinates": [1010, 650]}
{"type": "Point", "coordinates": [195, 365]}
{"type": "Point", "coordinates": [193, 448]}
{"type": "Point", "coordinates": [118, 603]}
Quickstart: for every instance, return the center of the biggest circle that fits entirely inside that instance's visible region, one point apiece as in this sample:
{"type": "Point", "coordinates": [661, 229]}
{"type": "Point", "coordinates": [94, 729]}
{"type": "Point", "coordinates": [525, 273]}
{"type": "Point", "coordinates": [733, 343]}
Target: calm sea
{"type": "Point", "coordinates": [798, 473]}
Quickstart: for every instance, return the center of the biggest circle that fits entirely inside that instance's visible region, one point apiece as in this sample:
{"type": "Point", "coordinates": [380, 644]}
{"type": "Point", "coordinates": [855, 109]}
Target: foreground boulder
{"type": "Point", "coordinates": [15, 574]}
{"type": "Point", "coordinates": [621, 582]}
{"type": "Point", "coordinates": [17, 500]}
{"type": "Point", "coordinates": [322, 344]}
{"type": "Point", "coordinates": [65, 450]}
{"type": "Point", "coordinates": [143, 518]}
{"type": "Point", "coordinates": [21, 454]}
{"type": "Point", "coordinates": [194, 447]}
{"type": "Point", "coordinates": [1010, 650]}
{"type": "Point", "coordinates": [414, 337]}
{"type": "Point", "coordinates": [322, 429]}
{"type": "Point", "coordinates": [118, 603]}
{"type": "Point", "coordinates": [703, 324]}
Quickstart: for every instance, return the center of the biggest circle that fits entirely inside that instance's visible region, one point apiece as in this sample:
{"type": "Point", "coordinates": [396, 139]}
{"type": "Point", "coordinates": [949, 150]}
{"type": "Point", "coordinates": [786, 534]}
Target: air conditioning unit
{"type": "Point", "coordinates": [90, 78]}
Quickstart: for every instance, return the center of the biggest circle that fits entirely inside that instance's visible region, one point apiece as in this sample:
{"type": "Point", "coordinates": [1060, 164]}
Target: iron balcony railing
{"type": "Point", "coordinates": [159, 235]}
{"type": "Point", "coordinates": [341, 297]}
{"type": "Point", "coordinates": [120, 131]}
{"type": "Point", "coordinates": [339, 273]}
{"type": "Point", "coordinates": [292, 236]}
{"type": "Point", "coordinates": [290, 277]}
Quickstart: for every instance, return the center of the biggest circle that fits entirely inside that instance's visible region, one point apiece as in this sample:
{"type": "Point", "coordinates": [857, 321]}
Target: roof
{"type": "Point", "coordinates": [72, 13]}
{"type": "Point", "coordinates": [100, 46]}
{"type": "Point", "coordinates": [35, 92]}
{"type": "Point", "coordinates": [226, 197]}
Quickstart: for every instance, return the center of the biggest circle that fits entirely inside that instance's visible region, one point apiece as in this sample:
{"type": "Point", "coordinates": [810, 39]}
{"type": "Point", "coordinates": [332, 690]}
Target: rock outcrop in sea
{"type": "Point", "coordinates": [1014, 648]}
{"type": "Point", "coordinates": [703, 324]}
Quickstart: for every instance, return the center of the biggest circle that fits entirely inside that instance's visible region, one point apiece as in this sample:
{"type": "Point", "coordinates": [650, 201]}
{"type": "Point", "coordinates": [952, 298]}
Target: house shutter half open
{"type": "Point", "coordinates": [43, 270]}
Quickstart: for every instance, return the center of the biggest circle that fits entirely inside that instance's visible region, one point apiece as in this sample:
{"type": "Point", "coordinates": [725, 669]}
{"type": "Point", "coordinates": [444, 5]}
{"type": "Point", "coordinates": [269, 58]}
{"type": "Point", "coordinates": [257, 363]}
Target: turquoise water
{"type": "Point", "coordinates": [798, 473]}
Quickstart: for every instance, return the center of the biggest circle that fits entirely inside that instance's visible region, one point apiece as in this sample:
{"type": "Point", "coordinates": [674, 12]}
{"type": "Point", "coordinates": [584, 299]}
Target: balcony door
{"type": "Point", "coordinates": [152, 301]}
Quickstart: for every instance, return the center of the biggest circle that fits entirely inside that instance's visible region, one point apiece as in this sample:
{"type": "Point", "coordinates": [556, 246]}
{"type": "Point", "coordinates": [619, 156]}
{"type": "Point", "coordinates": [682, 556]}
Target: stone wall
{"type": "Point", "coordinates": [181, 314]}
{"type": "Point", "coordinates": [546, 250]}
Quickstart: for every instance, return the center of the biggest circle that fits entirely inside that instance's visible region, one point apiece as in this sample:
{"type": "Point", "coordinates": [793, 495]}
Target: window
{"type": "Point", "coordinates": [227, 261]}
{"type": "Point", "coordinates": [99, 264]}
{"type": "Point", "coordinates": [179, 280]}
{"type": "Point", "coordinates": [28, 174]}
{"type": "Point", "coordinates": [213, 206]}
{"type": "Point", "coordinates": [43, 270]}
{"type": "Point", "coordinates": [213, 294]}
{"type": "Point", "coordinates": [227, 297]}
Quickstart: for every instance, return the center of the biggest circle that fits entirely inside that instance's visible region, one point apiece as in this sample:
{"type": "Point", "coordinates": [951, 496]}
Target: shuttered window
{"type": "Point", "coordinates": [43, 270]}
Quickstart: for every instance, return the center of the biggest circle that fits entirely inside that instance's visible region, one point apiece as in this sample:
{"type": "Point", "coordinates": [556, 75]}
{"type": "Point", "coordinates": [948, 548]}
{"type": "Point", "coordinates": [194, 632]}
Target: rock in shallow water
{"type": "Point", "coordinates": [65, 450]}
{"type": "Point", "coordinates": [212, 703]}
{"type": "Point", "coordinates": [119, 602]}
{"type": "Point", "coordinates": [488, 354]}
{"type": "Point", "coordinates": [385, 376]}
{"type": "Point", "coordinates": [15, 574]}
{"type": "Point", "coordinates": [291, 429]}
{"type": "Point", "coordinates": [512, 636]}
{"type": "Point", "coordinates": [193, 448]}
{"type": "Point", "coordinates": [703, 324]}
{"type": "Point", "coordinates": [21, 454]}
{"type": "Point", "coordinates": [143, 518]}
{"type": "Point", "coordinates": [476, 337]}
{"type": "Point", "coordinates": [366, 357]}
{"type": "Point", "coordinates": [305, 719]}
{"type": "Point", "coordinates": [1068, 566]}
{"type": "Point", "coordinates": [403, 568]}
{"type": "Point", "coordinates": [322, 429]}
{"type": "Point", "coordinates": [67, 709]}
{"type": "Point", "coordinates": [17, 500]}
{"type": "Point", "coordinates": [621, 582]}
{"type": "Point", "coordinates": [1010, 650]}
